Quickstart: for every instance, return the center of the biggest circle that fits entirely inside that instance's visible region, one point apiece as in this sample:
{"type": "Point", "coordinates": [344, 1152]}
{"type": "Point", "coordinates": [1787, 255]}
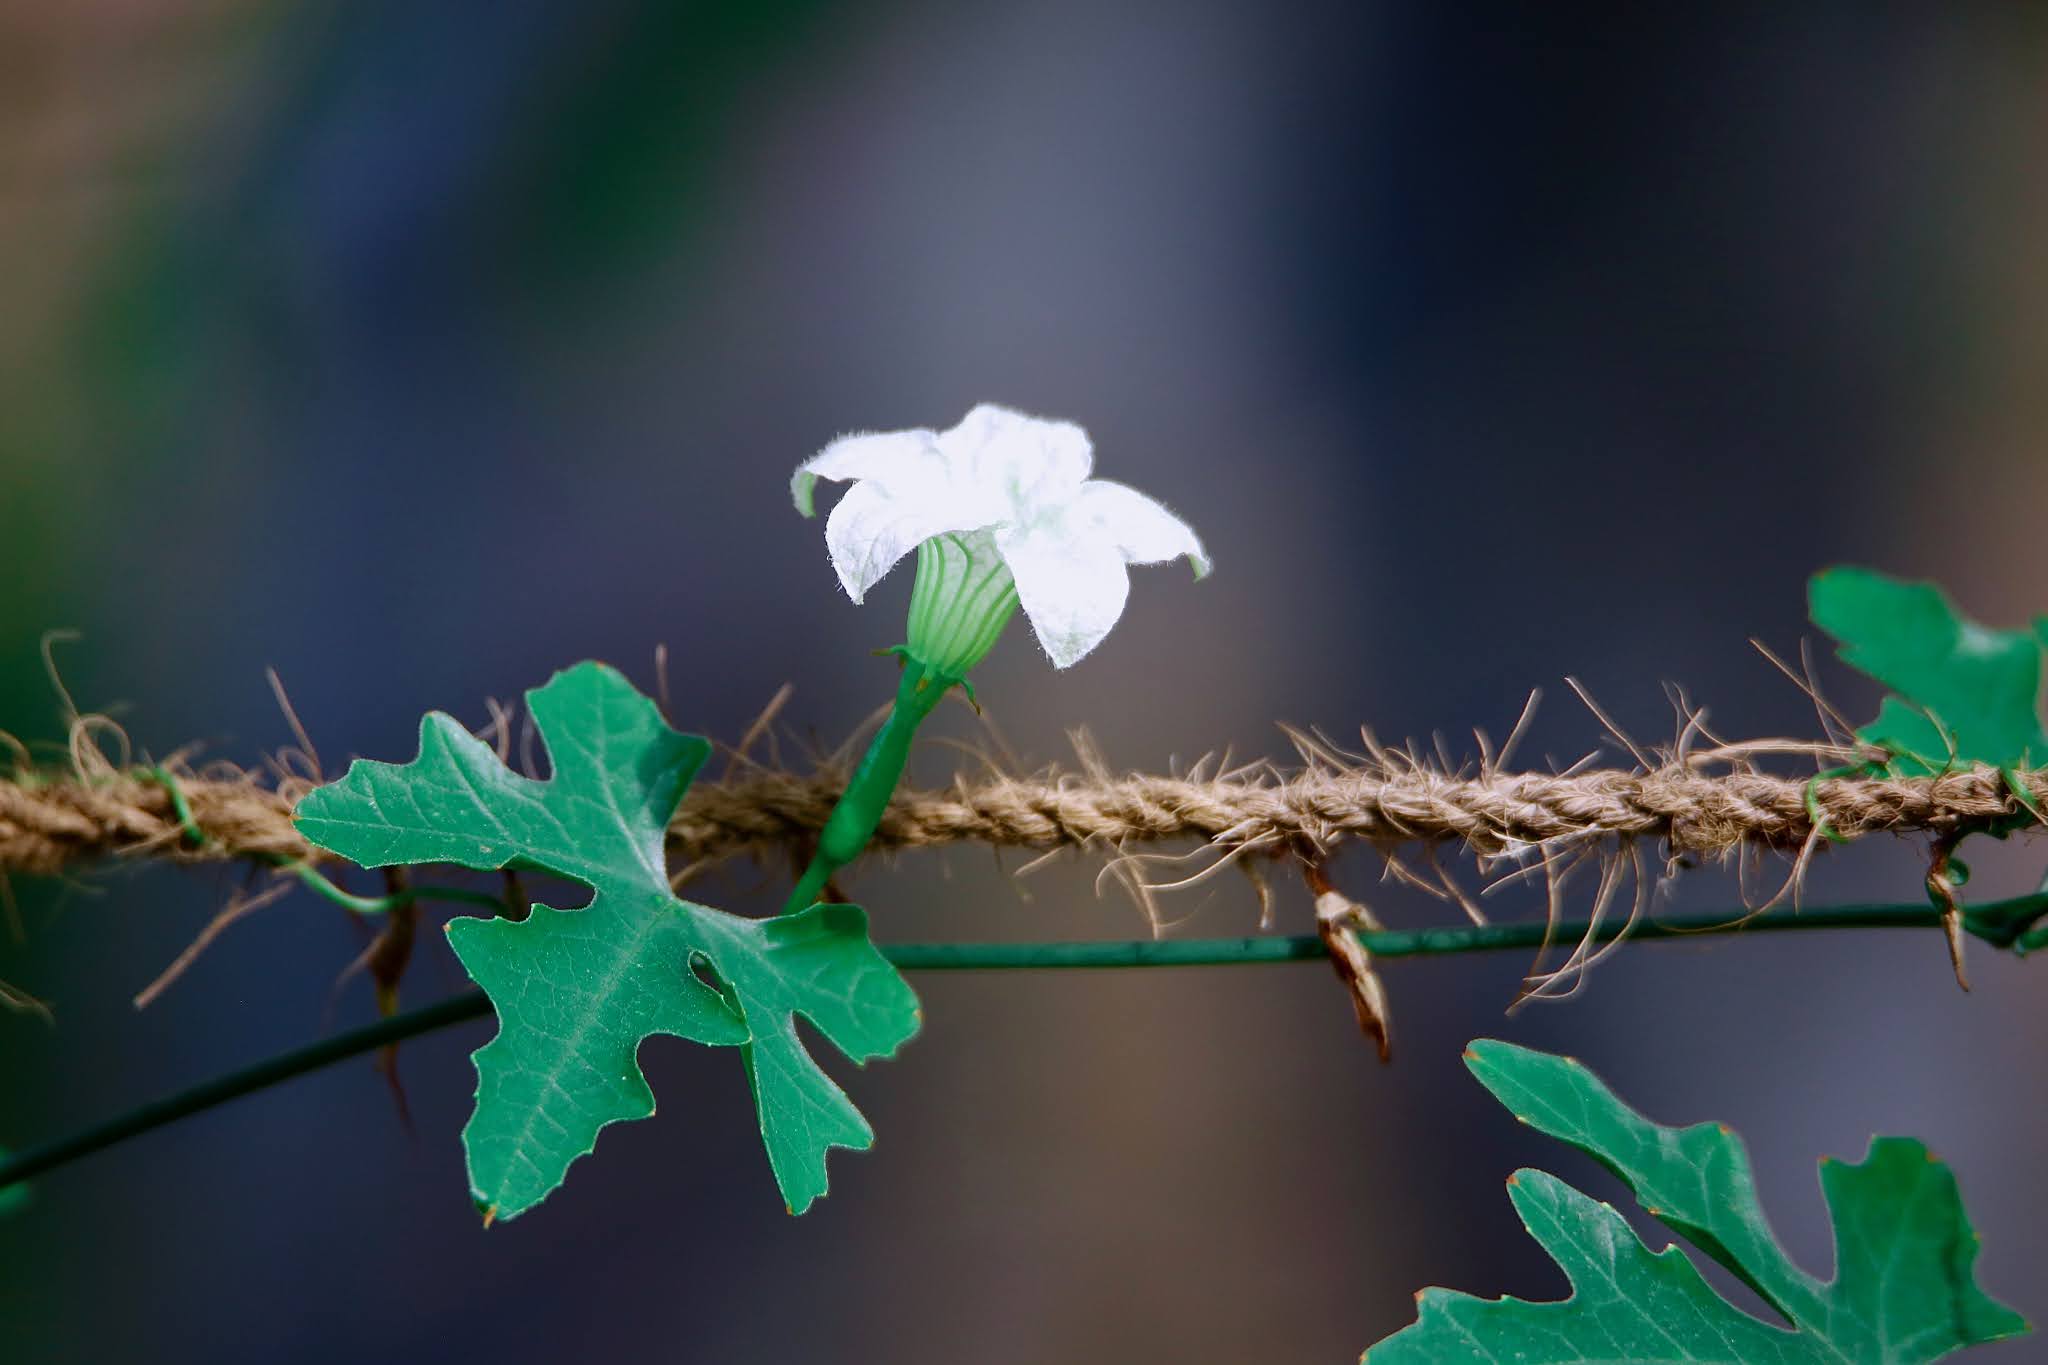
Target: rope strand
{"type": "Point", "coordinates": [49, 824]}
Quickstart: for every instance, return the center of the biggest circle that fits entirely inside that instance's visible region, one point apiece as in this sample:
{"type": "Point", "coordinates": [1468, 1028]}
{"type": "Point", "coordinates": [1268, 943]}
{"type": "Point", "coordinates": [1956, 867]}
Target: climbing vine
{"type": "Point", "coordinates": [1003, 515]}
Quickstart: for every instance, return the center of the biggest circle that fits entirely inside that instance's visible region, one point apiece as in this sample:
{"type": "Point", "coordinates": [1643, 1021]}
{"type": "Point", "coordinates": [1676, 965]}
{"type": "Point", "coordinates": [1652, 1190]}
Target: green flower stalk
{"type": "Point", "coordinates": [859, 809]}
{"type": "Point", "coordinates": [1002, 513]}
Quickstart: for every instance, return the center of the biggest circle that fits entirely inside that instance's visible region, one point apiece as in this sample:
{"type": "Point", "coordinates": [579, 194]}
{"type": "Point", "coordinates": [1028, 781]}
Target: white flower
{"type": "Point", "coordinates": [1002, 493]}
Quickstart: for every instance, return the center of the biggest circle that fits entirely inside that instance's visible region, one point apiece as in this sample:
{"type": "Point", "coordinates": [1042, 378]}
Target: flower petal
{"type": "Point", "coordinates": [1073, 591]}
{"type": "Point", "coordinates": [894, 458]}
{"type": "Point", "coordinates": [873, 527]}
{"type": "Point", "coordinates": [1027, 460]}
{"type": "Point", "coordinates": [1141, 528]}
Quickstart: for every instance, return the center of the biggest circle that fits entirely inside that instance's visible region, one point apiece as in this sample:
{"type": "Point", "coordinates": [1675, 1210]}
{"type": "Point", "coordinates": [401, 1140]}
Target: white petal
{"type": "Point", "coordinates": [1072, 591]}
{"type": "Point", "coordinates": [1030, 461]}
{"type": "Point", "coordinates": [872, 528]}
{"type": "Point", "coordinates": [1138, 526]}
{"type": "Point", "coordinates": [895, 458]}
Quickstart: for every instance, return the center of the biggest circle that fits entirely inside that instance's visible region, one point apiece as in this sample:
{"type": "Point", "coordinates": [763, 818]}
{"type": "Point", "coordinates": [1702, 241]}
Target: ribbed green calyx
{"type": "Point", "coordinates": [963, 598]}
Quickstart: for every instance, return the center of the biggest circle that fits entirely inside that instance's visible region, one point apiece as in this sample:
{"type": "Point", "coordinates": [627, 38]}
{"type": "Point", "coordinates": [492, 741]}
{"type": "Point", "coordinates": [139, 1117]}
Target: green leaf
{"type": "Point", "coordinates": [1904, 1290]}
{"type": "Point", "coordinates": [578, 990]}
{"type": "Point", "coordinates": [1961, 686]}
{"type": "Point", "coordinates": [16, 1197]}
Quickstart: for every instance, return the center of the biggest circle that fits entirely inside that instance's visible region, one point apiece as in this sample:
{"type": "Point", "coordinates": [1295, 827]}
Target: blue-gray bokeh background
{"type": "Point", "coordinates": [419, 349]}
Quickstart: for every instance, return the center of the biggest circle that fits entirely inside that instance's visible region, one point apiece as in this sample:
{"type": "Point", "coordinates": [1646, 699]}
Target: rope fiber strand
{"type": "Point", "coordinates": [50, 823]}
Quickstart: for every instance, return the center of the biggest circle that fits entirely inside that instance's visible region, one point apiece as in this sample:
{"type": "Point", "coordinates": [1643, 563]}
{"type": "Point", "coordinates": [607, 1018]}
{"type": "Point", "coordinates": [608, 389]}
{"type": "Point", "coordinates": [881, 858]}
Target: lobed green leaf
{"type": "Point", "coordinates": [578, 991]}
{"type": "Point", "coordinates": [1904, 1289]}
{"type": "Point", "coordinates": [1966, 692]}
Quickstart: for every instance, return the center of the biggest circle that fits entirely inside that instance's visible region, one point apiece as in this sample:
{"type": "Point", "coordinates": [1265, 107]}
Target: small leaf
{"type": "Point", "coordinates": [577, 991]}
{"type": "Point", "coordinates": [16, 1197]}
{"type": "Point", "coordinates": [1904, 1289]}
{"type": "Point", "coordinates": [1960, 686]}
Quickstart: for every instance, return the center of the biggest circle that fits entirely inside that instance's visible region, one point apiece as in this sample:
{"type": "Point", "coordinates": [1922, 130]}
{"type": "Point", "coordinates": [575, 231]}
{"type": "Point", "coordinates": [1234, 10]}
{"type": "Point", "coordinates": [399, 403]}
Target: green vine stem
{"type": "Point", "coordinates": [312, 878]}
{"type": "Point", "coordinates": [2012, 924]}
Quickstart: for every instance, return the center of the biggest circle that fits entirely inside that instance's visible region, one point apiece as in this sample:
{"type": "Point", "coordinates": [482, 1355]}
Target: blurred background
{"type": "Point", "coordinates": [416, 350]}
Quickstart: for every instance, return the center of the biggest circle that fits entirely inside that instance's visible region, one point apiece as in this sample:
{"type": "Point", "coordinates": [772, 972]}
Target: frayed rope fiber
{"type": "Point", "coordinates": [48, 824]}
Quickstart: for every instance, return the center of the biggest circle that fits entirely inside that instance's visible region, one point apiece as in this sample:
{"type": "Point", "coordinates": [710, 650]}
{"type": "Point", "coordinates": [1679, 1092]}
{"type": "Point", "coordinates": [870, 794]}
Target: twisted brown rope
{"type": "Point", "coordinates": [48, 825]}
